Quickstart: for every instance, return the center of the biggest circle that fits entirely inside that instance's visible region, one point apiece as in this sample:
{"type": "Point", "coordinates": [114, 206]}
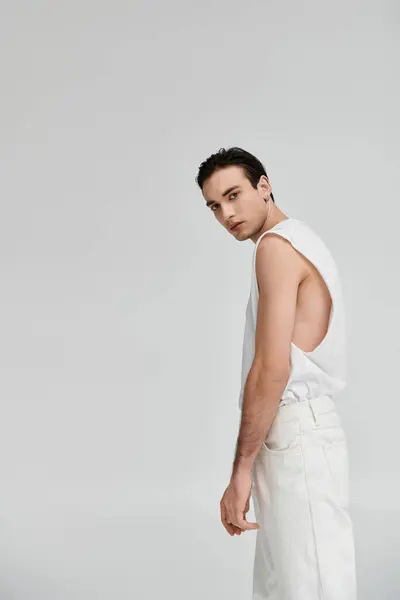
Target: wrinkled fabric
{"type": "Point", "coordinates": [300, 491]}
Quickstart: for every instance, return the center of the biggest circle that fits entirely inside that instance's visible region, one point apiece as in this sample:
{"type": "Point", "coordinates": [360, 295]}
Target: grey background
{"type": "Point", "coordinates": [122, 299]}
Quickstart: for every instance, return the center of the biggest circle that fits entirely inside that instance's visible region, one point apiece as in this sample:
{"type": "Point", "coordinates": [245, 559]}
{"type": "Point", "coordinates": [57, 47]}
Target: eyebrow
{"type": "Point", "coordinates": [224, 194]}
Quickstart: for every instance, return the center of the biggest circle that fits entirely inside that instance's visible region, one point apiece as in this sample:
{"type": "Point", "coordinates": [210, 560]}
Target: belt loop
{"type": "Point", "coordinates": [312, 411]}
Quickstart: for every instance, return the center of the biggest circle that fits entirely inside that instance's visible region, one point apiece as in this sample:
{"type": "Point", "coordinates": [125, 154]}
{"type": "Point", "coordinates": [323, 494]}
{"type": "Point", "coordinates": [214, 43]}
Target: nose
{"type": "Point", "coordinates": [228, 218]}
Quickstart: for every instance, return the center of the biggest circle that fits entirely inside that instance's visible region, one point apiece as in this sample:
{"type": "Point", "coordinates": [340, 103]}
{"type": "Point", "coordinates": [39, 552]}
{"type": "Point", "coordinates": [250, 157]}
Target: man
{"type": "Point", "coordinates": [291, 453]}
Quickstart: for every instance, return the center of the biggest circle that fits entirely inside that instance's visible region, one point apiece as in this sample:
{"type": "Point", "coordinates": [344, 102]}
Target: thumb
{"type": "Point", "coordinates": [245, 525]}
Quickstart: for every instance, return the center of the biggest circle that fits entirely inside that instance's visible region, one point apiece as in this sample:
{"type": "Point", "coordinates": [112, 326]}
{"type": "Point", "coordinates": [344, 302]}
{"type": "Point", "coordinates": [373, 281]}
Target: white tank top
{"type": "Point", "coordinates": [321, 371]}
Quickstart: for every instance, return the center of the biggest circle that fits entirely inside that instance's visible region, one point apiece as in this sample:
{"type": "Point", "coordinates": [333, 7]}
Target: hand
{"type": "Point", "coordinates": [235, 503]}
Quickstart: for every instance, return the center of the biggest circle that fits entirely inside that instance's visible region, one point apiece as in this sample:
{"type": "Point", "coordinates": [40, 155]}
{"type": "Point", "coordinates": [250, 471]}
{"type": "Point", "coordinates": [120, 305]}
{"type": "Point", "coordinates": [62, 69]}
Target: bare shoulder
{"type": "Point", "coordinates": [276, 257]}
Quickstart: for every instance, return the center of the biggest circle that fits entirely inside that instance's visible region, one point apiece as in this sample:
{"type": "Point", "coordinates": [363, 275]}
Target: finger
{"type": "Point", "coordinates": [236, 530]}
{"type": "Point", "coordinates": [231, 529]}
{"type": "Point", "coordinates": [227, 521]}
{"type": "Point", "coordinates": [244, 525]}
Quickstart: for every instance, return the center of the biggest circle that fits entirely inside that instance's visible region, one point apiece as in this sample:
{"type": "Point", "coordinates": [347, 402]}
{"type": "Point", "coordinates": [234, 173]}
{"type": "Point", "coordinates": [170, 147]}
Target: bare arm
{"type": "Point", "coordinates": [279, 271]}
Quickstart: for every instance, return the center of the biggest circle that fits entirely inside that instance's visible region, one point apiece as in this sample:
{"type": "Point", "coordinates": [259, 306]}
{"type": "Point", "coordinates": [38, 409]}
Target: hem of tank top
{"type": "Point", "coordinates": [333, 308]}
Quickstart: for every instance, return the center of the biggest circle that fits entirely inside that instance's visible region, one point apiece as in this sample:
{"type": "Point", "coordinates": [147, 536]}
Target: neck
{"type": "Point", "coordinates": [274, 217]}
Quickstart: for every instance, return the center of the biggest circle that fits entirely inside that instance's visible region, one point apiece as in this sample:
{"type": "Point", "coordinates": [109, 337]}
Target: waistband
{"type": "Point", "coordinates": [289, 409]}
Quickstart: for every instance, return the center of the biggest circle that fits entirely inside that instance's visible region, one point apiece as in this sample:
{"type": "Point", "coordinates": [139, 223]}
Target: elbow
{"type": "Point", "coordinates": [278, 372]}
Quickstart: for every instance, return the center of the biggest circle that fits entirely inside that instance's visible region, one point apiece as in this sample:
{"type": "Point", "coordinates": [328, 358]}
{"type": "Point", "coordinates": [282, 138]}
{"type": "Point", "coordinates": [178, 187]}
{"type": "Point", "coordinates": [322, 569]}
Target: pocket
{"type": "Point", "coordinates": [282, 438]}
{"type": "Point", "coordinates": [334, 445]}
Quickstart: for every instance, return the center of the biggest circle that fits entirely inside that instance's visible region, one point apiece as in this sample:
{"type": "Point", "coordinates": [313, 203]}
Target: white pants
{"type": "Point", "coordinates": [300, 491]}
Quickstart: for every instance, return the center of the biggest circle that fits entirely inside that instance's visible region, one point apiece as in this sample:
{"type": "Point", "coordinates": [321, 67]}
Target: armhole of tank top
{"type": "Point", "coordinates": [333, 301]}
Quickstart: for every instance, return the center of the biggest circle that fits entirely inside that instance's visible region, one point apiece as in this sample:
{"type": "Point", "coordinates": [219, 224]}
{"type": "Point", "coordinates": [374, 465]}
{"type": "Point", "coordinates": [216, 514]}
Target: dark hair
{"type": "Point", "coordinates": [253, 168]}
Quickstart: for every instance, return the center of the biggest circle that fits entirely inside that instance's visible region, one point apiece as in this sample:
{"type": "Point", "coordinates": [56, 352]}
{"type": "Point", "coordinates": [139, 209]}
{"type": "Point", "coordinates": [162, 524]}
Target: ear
{"type": "Point", "coordinates": [264, 186]}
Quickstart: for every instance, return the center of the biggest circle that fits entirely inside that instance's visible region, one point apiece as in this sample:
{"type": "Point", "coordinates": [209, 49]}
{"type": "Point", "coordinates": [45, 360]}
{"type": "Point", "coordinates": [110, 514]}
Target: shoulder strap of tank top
{"type": "Point", "coordinates": [282, 228]}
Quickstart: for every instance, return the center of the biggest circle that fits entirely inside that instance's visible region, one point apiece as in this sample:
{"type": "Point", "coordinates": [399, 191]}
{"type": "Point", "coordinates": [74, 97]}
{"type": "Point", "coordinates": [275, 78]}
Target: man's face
{"type": "Point", "coordinates": [232, 199]}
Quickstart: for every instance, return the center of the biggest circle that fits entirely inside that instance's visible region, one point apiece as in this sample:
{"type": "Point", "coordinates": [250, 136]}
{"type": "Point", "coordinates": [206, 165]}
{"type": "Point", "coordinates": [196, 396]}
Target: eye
{"type": "Point", "coordinates": [234, 194]}
{"type": "Point", "coordinates": [213, 207]}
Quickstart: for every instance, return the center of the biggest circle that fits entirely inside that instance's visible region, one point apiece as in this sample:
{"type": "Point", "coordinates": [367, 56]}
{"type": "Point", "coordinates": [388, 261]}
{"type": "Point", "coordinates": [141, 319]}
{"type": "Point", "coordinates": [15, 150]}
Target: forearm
{"type": "Point", "coordinates": [262, 393]}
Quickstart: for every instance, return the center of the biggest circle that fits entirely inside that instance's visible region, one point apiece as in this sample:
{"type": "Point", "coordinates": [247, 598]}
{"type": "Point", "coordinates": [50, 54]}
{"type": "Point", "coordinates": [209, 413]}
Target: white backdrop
{"type": "Point", "coordinates": [122, 300]}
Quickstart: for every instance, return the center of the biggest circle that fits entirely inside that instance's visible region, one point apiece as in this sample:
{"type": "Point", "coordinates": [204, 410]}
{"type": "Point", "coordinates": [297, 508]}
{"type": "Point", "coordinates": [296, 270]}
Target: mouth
{"type": "Point", "coordinates": [235, 226]}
